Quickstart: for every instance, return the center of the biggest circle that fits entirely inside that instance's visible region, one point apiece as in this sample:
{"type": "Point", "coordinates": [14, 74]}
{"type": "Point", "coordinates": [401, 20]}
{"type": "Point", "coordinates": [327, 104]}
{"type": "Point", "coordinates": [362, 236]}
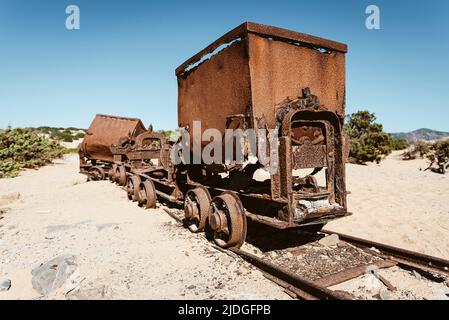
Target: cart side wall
{"type": "Point", "coordinates": [105, 131]}
{"type": "Point", "coordinates": [216, 89]}
{"type": "Point", "coordinates": [280, 70]}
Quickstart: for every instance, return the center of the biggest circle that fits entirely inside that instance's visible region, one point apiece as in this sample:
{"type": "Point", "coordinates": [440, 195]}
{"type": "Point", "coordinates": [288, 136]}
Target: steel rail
{"type": "Point", "coordinates": [310, 289]}
{"type": "Point", "coordinates": [402, 256]}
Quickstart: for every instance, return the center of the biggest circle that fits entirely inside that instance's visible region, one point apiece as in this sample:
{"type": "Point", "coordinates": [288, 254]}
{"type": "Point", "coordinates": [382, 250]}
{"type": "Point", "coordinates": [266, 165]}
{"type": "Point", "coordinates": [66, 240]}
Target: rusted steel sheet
{"type": "Point", "coordinates": [106, 130]}
{"type": "Point", "coordinates": [215, 89]}
{"type": "Point", "coordinates": [261, 66]}
{"type": "Point", "coordinates": [265, 31]}
{"type": "Point", "coordinates": [280, 70]}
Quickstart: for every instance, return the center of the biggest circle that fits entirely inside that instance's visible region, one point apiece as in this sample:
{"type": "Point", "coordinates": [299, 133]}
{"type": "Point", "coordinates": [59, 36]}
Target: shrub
{"type": "Point", "coordinates": [25, 148]}
{"type": "Point", "coordinates": [167, 133]}
{"type": "Point", "coordinates": [368, 140]}
{"type": "Point", "coordinates": [420, 148]}
{"type": "Point", "coordinates": [439, 152]}
{"type": "Point", "coordinates": [79, 135]}
{"type": "Point", "coordinates": [400, 144]}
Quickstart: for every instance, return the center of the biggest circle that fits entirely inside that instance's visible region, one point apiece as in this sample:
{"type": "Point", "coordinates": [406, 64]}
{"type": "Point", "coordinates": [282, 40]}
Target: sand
{"type": "Point", "coordinates": [126, 252]}
{"type": "Point", "coordinates": [398, 204]}
{"type": "Point", "coordinates": [123, 251]}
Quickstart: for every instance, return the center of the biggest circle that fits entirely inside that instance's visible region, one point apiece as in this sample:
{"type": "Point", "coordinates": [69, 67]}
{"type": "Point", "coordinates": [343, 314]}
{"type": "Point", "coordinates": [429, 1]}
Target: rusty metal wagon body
{"type": "Point", "coordinates": [96, 157]}
{"type": "Point", "coordinates": [263, 77]}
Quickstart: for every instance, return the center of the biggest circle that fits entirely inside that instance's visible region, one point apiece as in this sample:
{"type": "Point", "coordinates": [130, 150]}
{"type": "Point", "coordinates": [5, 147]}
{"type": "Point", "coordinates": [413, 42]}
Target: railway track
{"type": "Point", "coordinates": [432, 268]}
{"type": "Point", "coordinates": [426, 264]}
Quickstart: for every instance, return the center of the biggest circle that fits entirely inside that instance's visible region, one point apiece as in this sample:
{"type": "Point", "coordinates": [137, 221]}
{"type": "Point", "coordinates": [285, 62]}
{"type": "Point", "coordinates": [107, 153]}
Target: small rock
{"type": "Point", "coordinates": [375, 250]}
{"type": "Point", "coordinates": [5, 284]}
{"type": "Point", "coordinates": [219, 286]}
{"type": "Point", "coordinates": [191, 287]}
{"type": "Point", "coordinates": [417, 275]}
{"type": "Point", "coordinates": [384, 294]}
{"type": "Point", "coordinates": [56, 273]}
{"type": "Point", "coordinates": [330, 240]}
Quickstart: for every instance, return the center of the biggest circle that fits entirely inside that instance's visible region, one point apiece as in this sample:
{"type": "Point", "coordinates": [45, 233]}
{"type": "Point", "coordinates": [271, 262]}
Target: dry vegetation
{"type": "Point", "coordinates": [23, 148]}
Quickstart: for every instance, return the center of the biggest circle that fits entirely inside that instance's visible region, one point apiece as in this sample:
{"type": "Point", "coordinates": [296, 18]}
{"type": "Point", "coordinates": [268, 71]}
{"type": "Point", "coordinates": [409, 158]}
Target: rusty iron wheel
{"type": "Point", "coordinates": [132, 187]}
{"type": "Point", "coordinates": [147, 194]}
{"type": "Point", "coordinates": [96, 173]}
{"type": "Point", "coordinates": [227, 220]}
{"type": "Point", "coordinates": [112, 173]}
{"type": "Point", "coordinates": [196, 209]}
{"type": "Point", "coordinates": [120, 175]}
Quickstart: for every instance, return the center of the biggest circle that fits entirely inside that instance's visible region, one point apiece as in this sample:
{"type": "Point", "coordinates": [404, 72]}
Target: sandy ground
{"type": "Point", "coordinates": [397, 203]}
{"type": "Point", "coordinates": [125, 252]}
{"type": "Point", "coordinates": [71, 145]}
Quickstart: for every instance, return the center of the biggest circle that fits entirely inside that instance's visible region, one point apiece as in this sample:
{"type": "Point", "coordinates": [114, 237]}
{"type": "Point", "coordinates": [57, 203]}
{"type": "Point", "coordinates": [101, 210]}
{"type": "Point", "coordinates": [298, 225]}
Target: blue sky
{"type": "Point", "coordinates": [123, 58]}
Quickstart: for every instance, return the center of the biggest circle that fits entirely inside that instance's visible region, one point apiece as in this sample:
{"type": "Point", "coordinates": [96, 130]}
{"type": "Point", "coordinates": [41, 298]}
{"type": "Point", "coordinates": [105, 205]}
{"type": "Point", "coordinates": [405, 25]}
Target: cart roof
{"type": "Point", "coordinates": [264, 31]}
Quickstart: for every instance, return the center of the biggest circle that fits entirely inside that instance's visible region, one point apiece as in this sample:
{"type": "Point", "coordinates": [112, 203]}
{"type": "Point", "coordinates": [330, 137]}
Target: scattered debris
{"type": "Point", "coordinates": [60, 272]}
{"type": "Point", "coordinates": [5, 284]}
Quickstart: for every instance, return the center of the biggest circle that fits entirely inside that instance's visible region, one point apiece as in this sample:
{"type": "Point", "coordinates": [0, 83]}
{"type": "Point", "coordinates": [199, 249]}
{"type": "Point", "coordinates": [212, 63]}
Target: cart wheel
{"type": "Point", "coordinates": [96, 173]}
{"type": "Point", "coordinates": [120, 175]}
{"type": "Point", "coordinates": [196, 208]}
{"type": "Point", "coordinates": [147, 194]}
{"type": "Point", "coordinates": [112, 173]}
{"type": "Point", "coordinates": [227, 220]}
{"type": "Point", "coordinates": [132, 187]}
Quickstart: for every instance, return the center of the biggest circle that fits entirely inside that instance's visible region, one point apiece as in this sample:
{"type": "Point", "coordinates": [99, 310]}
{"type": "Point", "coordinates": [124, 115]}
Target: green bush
{"type": "Point", "coordinates": [368, 141]}
{"type": "Point", "coordinates": [63, 134]}
{"type": "Point", "coordinates": [25, 148]}
{"type": "Point", "coordinates": [439, 152]}
{"type": "Point", "coordinates": [79, 135]}
{"type": "Point", "coordinates": [400, 144]}
{"type": "Point", "coordinates": [166, 133]}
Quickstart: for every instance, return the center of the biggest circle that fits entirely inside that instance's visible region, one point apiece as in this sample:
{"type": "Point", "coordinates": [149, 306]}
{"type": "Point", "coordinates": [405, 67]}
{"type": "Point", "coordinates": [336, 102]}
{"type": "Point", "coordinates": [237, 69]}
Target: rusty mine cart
{"type": "Point", "coordinates": [267, 77]}
{"type": "Point", "coordinates": [254, 77]}
{"type": "Point", "coordinates": [96, 157]}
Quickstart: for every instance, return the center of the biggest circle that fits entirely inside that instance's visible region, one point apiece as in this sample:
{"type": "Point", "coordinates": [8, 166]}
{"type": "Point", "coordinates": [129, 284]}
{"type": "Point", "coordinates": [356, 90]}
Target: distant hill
{"type": "Point", "coordinates": [421, 134]}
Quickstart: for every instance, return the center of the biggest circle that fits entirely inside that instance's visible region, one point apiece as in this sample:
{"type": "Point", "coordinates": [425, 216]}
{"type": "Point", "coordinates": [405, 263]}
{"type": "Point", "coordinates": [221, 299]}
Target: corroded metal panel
{"type": "Point", "coordinates": [280, 70]}
{"type": "Point", "coordinates": [105, 131]}
{"type": "Point", "coordinates": [215, 89]}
